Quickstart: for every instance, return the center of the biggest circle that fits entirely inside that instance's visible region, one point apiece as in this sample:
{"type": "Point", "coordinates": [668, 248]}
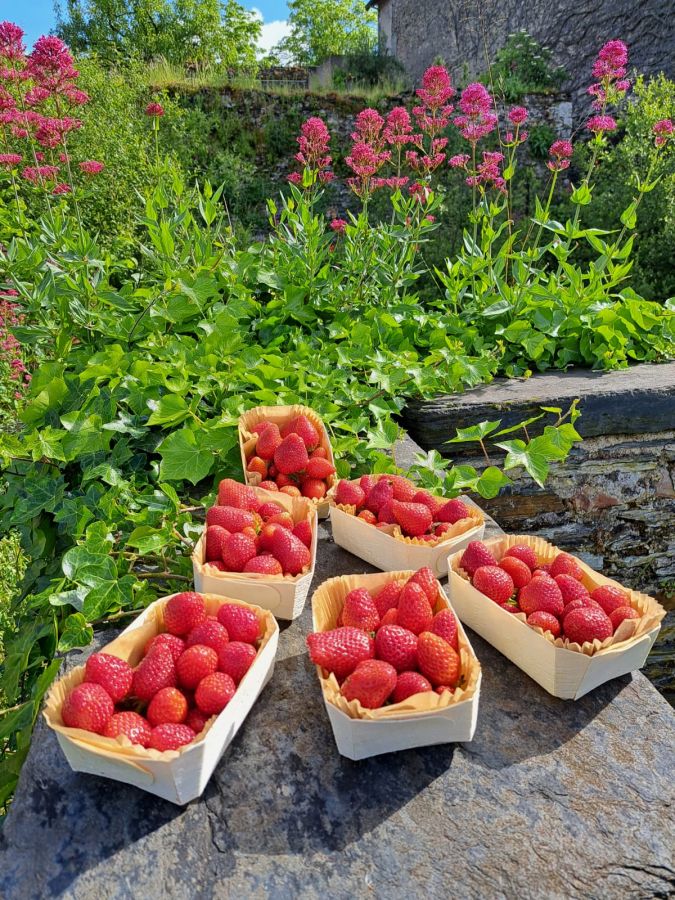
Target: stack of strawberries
{"type": "Point", "coordinates": [188, 674]}
{"type": "Point", "coordinates": [551, 595]}
{"type": "Point", "coordinates": [392, 645]}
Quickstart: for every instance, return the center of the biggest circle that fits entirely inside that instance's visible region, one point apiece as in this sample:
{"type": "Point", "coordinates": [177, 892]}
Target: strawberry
{"type": "Point", "coordinates": [265, 564]}
{"type": "Point", "coordinates": [404, 489]}
{"type": "Point", "coordinates": [544, 569]}
{"type": "Point", "coordinates": [240, 496]}
{"type": "Point", "coordinates": [517, 569]}
{"type": "Point", "coordinates": [210, 633]}
{"type": "Point", "coordinates": [427, 581]}
{"type": "Point", "coordinates": [428, 500]}
{"type": "Point", "coordinates": [236, 659]}
{"type": "Point", "coordinates": [414, 612]}
{"type": "Point", "coordinates": [113, 674]}
{"type": "Point", "coordinates": [546, 621]}
{"type": "Point", "coordinates": [442, 688]}
{"type": "Point", "coordinates": [153, 673]}
{"type": "Point", "coordinates": [217, 564]}
{"type": "Point", "coordinates": [87, 706]}
{"type": "Point", "coordinates": [257, 465]}
{"type": "Point", "coordinates": [368, 516]}
{"type": "Point", "coordinates": [340, 650]}
{"type": "Point", "coordinates": [564, 564]}
{"type": "Point", "coordinates": [196, 720]}
{"type": "Point", "coordinates": [511, 606]}
{"type": "Point", "coordinates": [265, 536]}
{"type": "Point", "coordinates": [301, 426]}
{"type": "Point", "coordinates": [475, 556]}
{"type": "Point", "coordinates": [237, 550]}
{"type": "Point", "coordinates": [291, 455]}
{"type": "Point", "coordinates": [214, 693]}
{"type": "Point", "coordinates": [359, 610]}
{"type": "Point", "coordinates": [386, 514]}
{"type": "Point", "coordinates": [524, 554]}
{"type": "Point", "coordinates": [230, 518]}
{"type": "Point", "coordinates": [409, 683]}
{"type": "Point", "coordinates": [170, 736]}
{"type": "Point", "coordinates": [442, 529]}
{"type": "Point", "coordinates": [285, 519]}
{"type": "Point", "coordinates": [183, 611]}
{"type": "Point", "coordinates": [494, 582]}
{"type": "Point", "coordinates": [381, 492]}
{"type": "Point", "coordinates": [349, 493]}
{"type": "Point", "coordinates": [621, 613]}
{"type": "Point", "coordinates": [453, 511]}
{"type": "Point", "coordinates": [314, 488]}
{"type": "Point", "coordinates": [414, 518]}
{"type": "Point", "coordinates": [213, 546]}
{"type": "Point", "coordinates": [196, 663]}
{"type": "Point", "coordinates": [242, 623]}
{"type": "Point", "coordinates": [542, 593]}
{"type": "Point", "coordinates": [610, 597]}
{"type": "Point", "coordinates": [588, 624]}
{"type": "Point", "coordinates": [390, 617]}
{"type": "Point", "coordinates": [291, 490]}
{"type": "Point", "coordinates": [319, 468]}
{"type": "Point", "coordinates": [319, 453]}
{"type": "Point", "coordinates": [570, 588]}
{"type": "Point", "coordinates": [437, 660]}
{"type": "Point", "coordinates": [367, 483]}
{"type": "Point", "coordinates": [260, 427]}
{"type": "Point", "coordinates": [168, 705]}
{"type": "Point", "coordinates": [371, 683]}
{"type": "Point", "coordinates": [397, 646]}
{"type": "Point", "coordinates": [270, 508]}
{"type": "Point", "coordinates": [444, 624]}
{"type": "Point", "coordinates": [387, 597]}
{"type": "Point", "coordinates": [269, 485]}
{"type": "Point", "coordinates": [303, 530]}
{"type": "Point", "coordinates": [290, 551]}
{"type": "Point", "coordinates": [268, 442]}
{"type": "Point", "coordinates": [131, 724]}
{"type": "Point", "coordinates": [285, 481]}
{"type": "Point", "coordinates": [175, 644]}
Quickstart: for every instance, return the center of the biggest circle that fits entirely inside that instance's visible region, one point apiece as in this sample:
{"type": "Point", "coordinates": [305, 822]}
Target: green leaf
{"type": "Point", "coordinates": [474, 432]}
{"type": "Point", "coordinates": [87, 568]}
{"type": "Point", "coordinates": [184, 458]}
{"type": "Point", "coordinates": [76, 633]}
{"type": "Point", "coordinates": [491, 481]}
{"type": "Point", "coordinates": [520, 454]}
{"type": "Point", "coordinates": [168, 410]}
{"type": "Point", "coordinates": [582, 195]}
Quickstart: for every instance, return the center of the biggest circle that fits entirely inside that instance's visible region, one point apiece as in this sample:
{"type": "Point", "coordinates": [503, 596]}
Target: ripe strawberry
{"type": "Point", "coordinates": [437, 660]}
{"type": "Point", "coordinates": [214, 693]}
{"type": "Point", "coordinates": [260, 427]}
{"type": "Point", "coordinates": [543, 569]}
{"type": "Point", "coordinates": [367, 483]}
{"type": "Point", "coordinates": [112, 673]}
{"type": "Point", "coordinates": [291, 490]}
{"type": "Point", "coordinates": [269, 485]}
{"type": "Point", "coordinates": [475, 556]}
{"type": "Point", "coordinates": [242, 623]}
{"type": "Point", "coordinates": [494, 582]}
{"type": "Point", "coordinates": [168, 705]}
{"type": "Point", "coordinates": [381, 492]}
{"type": "Point", "coordinates": [268, 442]}
{"type": "Point", "coordinates": [511, 606]}
{"type": "Point", "coordinates": [453, 511]}
{"type": "Point", "coordinates": [265, 537]}
{"type": "Point", "coordinates": [387, 597]}
{"type": "Point", "coordinates": [546, 621]}
{"type": "Point", "coordinates": [570, 588]}
{"type": "Point", "coordinates": [409, 683]}
{"type": "Point", "coordinates": [303, 530]}
{"type": "Point", "coordinates": [371, 682]}
{"type": "Point", "coordinates": [314, 488]}
{"type": "Point", "coordinates": [196, 663]}
{"type": "Point", "coordinates": [257, 465]}
{"type": "Point", "coordinates": [445, 625]}
{"type": "Point", "coordinates": [519, 572]}
{"type": "Point", "coordinates": [240, 496]}
{"type": "Point", "coordinates": [579, 603]}
{"type": "Point", "coordinates": [442, 529]}
{"type": "Point", "coordinates": [153, 673]}
{"type": "Point", "coordinates": [131, 724]}
{"type": "Point", "coordinates": [87, 706]}
{"type": "Point", "coordinates": [524, 554]}
{"type": "Point", "coordinates": [442, 688]}
{"type": "Point", "coordinates": [414, 518]}
{"type": "Point", "coordinates": [397, 646]}
{"type": "Point", "coordinates": [386, 514]}
{"type": "Point", "coordinates": [183, 611]}
{"type": "Point", "coordinates": [390, 617]}
{"type": "Point", "coordinates": [270, 508]}
{"type": "Point", "coordinates": [236, 659]}
{"type": "Point", "coordinates": [291, 455]}
{"type": "Point", "coordinates": [621, 613]}
{"type": "Point", "coordinates": [217, 564]}
{"type": "Point", "coordinates": [319, 468]}
{"type": "Point", "coordinates": [210, 633]}
{"type": "Point", "coordinates": [564, 564]}
{"type": "Point", "coordinates": [285, 519]}
{"type": "Point", "coordinates": [610, 597]}
{"type": "Point", "coordinates": [301, 426]}
{"type": "Point", "coordinates": [340, 650]}
{"type": "Point", "coordinates": [175, 644]}
{"type": "Point", "coordinates": [368, 516]}
{"type": "Point", "coordinates": [230, 518]}
{"type": "Point", "coordinates": [428, 500]}
{"type": "Point", "coordinates": [319, 453]}
{"type": "Point", "coordinates": [237, 550]}
{"type": "Point", "coordinates": [170, 736]}
{"type": "Point", "coordinates": [542, 593]}
{"type": "Point", "coordinates": [290, 551]}
{"type": "Point", "coordinates": [404, 489]}
{"type": "Point", "coordinates": [588, 624]}
{"type": "Point", "coordinates": [359, 610]}
{"type": "Point", "coordinates": [213, 546]}
{"type": "Point", "coordinates": [414, 612]}
{"type": "Point", "coordinates": [427, 581]}
{"type": "Point", "coordinates": [285, 481]}
{"type": "Point", "coordinates": [196, 720]}
{"type": "Point", "coordinates": [265, 564]}
{"type": "Point", "coordinates": [349, 493]}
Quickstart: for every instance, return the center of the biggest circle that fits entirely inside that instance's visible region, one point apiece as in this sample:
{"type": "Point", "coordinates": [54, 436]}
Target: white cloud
{"type": "Point", "coordinates": [272, 32]}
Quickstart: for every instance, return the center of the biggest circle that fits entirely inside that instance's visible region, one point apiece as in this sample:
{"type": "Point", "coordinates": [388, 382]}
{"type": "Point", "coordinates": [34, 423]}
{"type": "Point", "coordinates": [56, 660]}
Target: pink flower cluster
{"type": "Point", "coordinates": [478, 118]}
{"type": "Point", "coordinates": [488, 173]}
{"type": "Point", "coordinates": [10, 348]}
{"type": "Point", "coordinates": [662, 131]}
{"type": "Point", "coordinates": [601, 124]}
{"type": "Point", "coordinates": [560, 153]}
{"type": "Point", "coordinates": [314, 153]}
{"type": "Point", "coordinates": [609, 69]}
{"type": "Point", "coordinates": [154, 110]}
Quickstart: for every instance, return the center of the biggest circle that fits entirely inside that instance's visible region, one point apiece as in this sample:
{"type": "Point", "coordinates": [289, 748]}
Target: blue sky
{"type": "Point", "coordinates": [36, 17]}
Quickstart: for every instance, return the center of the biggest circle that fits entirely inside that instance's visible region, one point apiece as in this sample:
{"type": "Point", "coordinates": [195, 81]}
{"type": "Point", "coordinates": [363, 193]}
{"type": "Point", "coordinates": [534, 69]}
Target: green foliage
{"type": "Point", "coordinates": [323, 28]}
{"type": "Point", "coordinates": [522, 67]}
{"type": "Point", "coordinates": [370, 69]}
{"type": "Point", "coordinates": [540, 139]}
{"type": "Point", "coordinates": [12, 569]}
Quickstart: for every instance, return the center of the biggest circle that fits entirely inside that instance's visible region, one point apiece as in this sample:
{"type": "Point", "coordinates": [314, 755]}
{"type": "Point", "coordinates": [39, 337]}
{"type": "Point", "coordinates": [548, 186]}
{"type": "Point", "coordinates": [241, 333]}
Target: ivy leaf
{"type": "Point", "coordinates": [168, 410]}
{"type": "Point", "coordinates": [76, 633]}
{"type": "Point", "coordinates": [518, 453]}
{"type": "Point", "coordinates": [491, 481]}
{"type": "Point", "coordinates": [474, 432]}
{"type": "Point", "coordinates": [149, 540]}
{"type": "Point", "coordinates": [183, 458]}
{"type": "Point", "coordinates": [86, 568]}
{"type": "Point", "coordinates": [74, 598]}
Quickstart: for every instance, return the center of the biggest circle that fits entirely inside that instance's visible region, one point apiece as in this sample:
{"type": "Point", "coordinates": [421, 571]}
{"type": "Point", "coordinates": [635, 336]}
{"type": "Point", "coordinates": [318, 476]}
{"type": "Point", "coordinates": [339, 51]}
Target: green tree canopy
{"type": "Point", "coordinates": [321, 28]}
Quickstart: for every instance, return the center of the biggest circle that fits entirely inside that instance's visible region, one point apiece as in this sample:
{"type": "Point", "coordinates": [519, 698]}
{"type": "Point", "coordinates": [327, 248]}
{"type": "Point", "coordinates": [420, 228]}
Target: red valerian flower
{"type": "Point", "coordinates": [9, 160]}
{"type": "Point", "coordinates": [518, 115]}
{"type": "Point", "coordinates": [459, 161]}
{"type": "Point", "coordinates": [369, 125]}
{"type": "Point", "coordinates": [398, 128]}
{"type": "Point", "coordinates": [154, 109]}
{"type": "Point", "coordinates": [663, 131]}
{"type": "Point", "coordinates": [560, 153]}
{"type": "Point", "coordinates": [11, 41]}
{"type": "Point", "coordinates": [436, 88]}
{"type": "Point", "coordinates": [50, 63]}
{"type": "Point", "coordinates": [338, 225]}
{"type": "Point", "coordinates": [477, 120]}
{"type": "Point", "coordinates": [91, 166]}
{"type": "Point", "coordinates": [611, 61]}
{"type": "Point", "coordinates": [488, 173]}
{"type": "Point", "coordinates": [62, 188]}
{"type": "Point", "coordinates": [36, 174]}
{"type": "Point", "coordinates": [601, 124]}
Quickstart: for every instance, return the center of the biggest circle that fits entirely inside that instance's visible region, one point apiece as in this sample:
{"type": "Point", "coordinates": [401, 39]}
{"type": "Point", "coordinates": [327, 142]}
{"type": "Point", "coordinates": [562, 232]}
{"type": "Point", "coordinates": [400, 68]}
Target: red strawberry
{"type": "Point", "coordinates": [87, 706]}
{"type": "Point", "coordinates": [404, 489]}
{"type": "Point", "coordinates": [390, 617]}
{"type": "Point", "coordinates": [265, 564]}
{"type": "Point", "coordinates": [319, 453]}
{"type": "Point", "coordinates": [570, 588]}
{"type": "Point", "coordinates": [475, 556]}
{"type": "Point", "coordinates": [621, 613]}
{"type": "Point", "coordinates": [564, 564]}
{"type": "Point", "coordinates": [397, 646]}
{"type": "Point", "coordinates": [260, 427]}
{"type": "Point", "coordinates": [542, 593]}
{"type": "Point", "coordinates": [236, 659]}
{"type": "Point", "coordinates": [368, 516]}
{"type": "Point", "coordinates": [517, 569]}
{"type": "Point", "coordinates": [442, 688]}
{"type": "Point", "coordinates": [291, 455]}
{"type": "Point", "coordinates": [427, 581]}
{"type": "Point", "coordinates": [494, 582]}
{"type": "Point", "coordinates": [319, 468]}
{"type": "Point", "coordinates": [168, 705]}
{"type": "Point", "coordinates": [442, 529]}
{"type": "Point", "coordinates": [170, 736]}
{"type": "Point", "coordinates": [303, 530]}
{"type": "Point", "coordinates": [217, 564]}
{"type": "Point", "coordinates": [453, 511]}
{"type": "Point", "coordinates": [610, 598]}
{"type": "Point", "coordinates": [196, 663]}
{"type": "Point", "coordinates": [183, 611]}
{"type": "Point", "coordinates": [578, 603]}
{"type": "Point", "coordinates": [588, 624]}
{"type": "Point", "coordinates": [175, 644]}
{"type": "Point", "coordinates": [285, 480]}
{"type": "Point", "coordinates": [269, 485]}
{"type": "Point", "coordinates": [301, 426]}
{"type": "Point", "coordinates": [265, 537]}
{"type": "Point", "coordinates": [214, 693]}
{"type": "Point", "coordinates": [240, 496]}
{"type": "Point", "coordinates": [437, 660]}
{"type": "Point", "coordinates": [409, 683]}
{"type": "Point", "coordinates": [210, 633]}
{"type": "Point", "coordinates": [285, 519]}
{"type": "Point", "coordinates": [428, 500]}
{"type": "Point", "coordinates": [349, 493]}
{"type": "Point", "coordinates": [525, 554]}
{"type": "Point", "coordinates": [258, 465]}
{"type": "Point", "coordinates": [268, 442]}
{"type": "Point", "coordinates": [213, 546]}
{"type": "Point", "coordinates": [113, 674]}
{"type": "Point", "coordinates": [386, 514]}
{"type": "Point", "coordinates": [270, 508]}
{"type": "Point", "coordinates": [340, 650]}
{"type": "Point", "coordinates": [153, 673]}
{"type": "Point", "coordinates": [388, 596]}
{"type": "Point", "coordinates": [367, 483]}
{"type": "Point", "coordinates": [230, 518]}
{"type": "Point", "coordinates": [290, 551]}
{"type": "Point", "coordinates": [445, 625]}
{"type": "Point", "coordinates": [291, 490]}
{"type": "Point", "coordinates": [241, 622]}
{"type": "Point", "coordinates": [371, 682]}
{"type": "Point", "coordinates": [196, 720]}
{"type": "Point", "coordinates": [314, 488]}
{"type": "Point", "coordinates": [546, 621]}
{"type": "Point", "coordinates": [511, 606]}
{"type": "Point", "coordinates": [359, 610]}
{"type": "Point", "coordinates": [414, 612]}
{"type": "Point", "coordinates": [237, 550]}
{"type": "Point", "coordinates": [381, 492]}
{"type": "Point", "coordinates": [543, 569]}
{"type": "Point", "coordinates": [131, 724]}
{"type": "Point", "coordinates": [414, 518]}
